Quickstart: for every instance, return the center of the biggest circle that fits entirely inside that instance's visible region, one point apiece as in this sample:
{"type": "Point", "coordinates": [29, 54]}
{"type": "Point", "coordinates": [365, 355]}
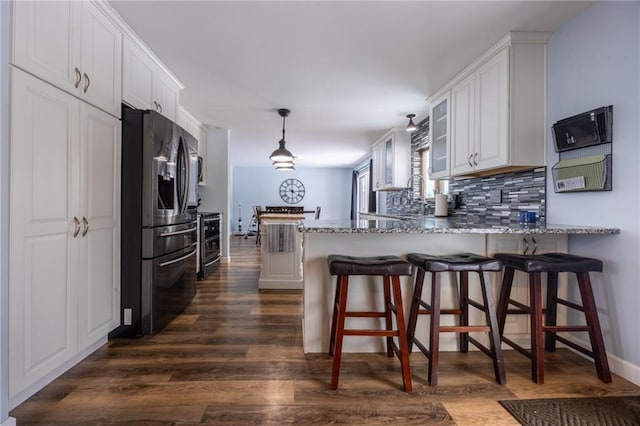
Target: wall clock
{"type": "Point", "coordinates": [291, 191]}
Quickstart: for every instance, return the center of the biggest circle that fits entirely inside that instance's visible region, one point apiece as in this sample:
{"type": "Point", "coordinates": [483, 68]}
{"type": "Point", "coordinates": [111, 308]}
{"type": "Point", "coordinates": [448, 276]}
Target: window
{"type": "Point", "coordinates": [431, 187]}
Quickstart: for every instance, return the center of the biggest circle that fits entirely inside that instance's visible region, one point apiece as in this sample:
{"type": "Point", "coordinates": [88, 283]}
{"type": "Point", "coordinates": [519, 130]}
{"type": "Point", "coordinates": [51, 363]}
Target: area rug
{"type": "Point", "coordinates": [604, 411]}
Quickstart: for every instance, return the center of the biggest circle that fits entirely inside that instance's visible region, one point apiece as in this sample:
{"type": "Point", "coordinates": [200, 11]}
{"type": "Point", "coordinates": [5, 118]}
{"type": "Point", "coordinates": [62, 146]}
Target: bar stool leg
{"type": "Point", "coordinates": [552, 310]}
{"type": "Point", "coordinates": [402, 335]}
{"type": "Point", "coordinates": [337, 354]}
{"type": "Point", "coordinates": [595, 333]}
{"type": "Point", "coordinates": [537, 349]}
{"type": "Point", "coordinates": [464, 308]}
{"type": "Point", "coordinates": [415, 307]}
{"type": "Point", "coordinates": [494, 332]}
{"type": "Point", "coordinates": [505, 296]}
{"type": "Point", "coordinates": [434, 334]}
{"type": "Point", "coordinates": [334, 320]}
{"type": "Point", "coordinates": [387, 313]}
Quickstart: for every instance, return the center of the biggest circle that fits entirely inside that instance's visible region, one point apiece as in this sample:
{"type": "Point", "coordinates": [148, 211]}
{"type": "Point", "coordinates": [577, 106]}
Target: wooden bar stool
{"type": "Point", "coordinates": [390, 268]}
{"type": "Point", "coordinates": [552, 264]}
{"type": "Point", "coordinates": [462, 263]}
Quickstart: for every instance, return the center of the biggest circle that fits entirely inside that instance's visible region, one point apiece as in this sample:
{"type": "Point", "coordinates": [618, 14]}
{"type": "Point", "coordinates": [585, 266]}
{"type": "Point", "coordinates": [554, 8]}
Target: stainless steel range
{"type": "Point", "coordinates": [209, 243]}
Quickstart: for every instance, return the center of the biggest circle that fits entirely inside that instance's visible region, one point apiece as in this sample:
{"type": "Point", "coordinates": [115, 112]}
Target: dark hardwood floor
{"type": "Point", "coordinates": [234, 357]}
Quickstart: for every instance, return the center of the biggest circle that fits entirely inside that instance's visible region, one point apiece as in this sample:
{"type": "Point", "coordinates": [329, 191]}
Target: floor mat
{"type": "Point", "coordinates": [604, 411]}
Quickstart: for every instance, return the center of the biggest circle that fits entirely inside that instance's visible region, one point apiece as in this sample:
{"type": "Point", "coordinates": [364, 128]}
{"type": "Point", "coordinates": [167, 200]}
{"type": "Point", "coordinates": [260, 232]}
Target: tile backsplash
{"type": "Point", "coordinates": [516, 191]}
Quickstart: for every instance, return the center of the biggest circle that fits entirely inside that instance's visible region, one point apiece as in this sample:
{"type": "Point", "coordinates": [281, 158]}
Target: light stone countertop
{"type": "Point", "coordinates": [416, 224]}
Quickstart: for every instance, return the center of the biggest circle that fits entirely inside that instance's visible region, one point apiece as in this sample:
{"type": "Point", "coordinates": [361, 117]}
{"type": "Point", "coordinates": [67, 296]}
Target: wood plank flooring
{"type": "Point", "coordinates": [234, 357]}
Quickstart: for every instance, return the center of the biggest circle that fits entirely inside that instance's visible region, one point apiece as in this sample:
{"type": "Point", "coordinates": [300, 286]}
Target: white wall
{"type": "Point", "coordinates": [594, 60]}
{"type": "Point", "coordinates": [329, 188]}
{"type": "Point", "coordinates": [215, 193]}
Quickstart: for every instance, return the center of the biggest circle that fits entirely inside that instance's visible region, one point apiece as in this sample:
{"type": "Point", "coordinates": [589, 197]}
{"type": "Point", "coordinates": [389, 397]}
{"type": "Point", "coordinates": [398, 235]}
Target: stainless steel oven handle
{"type": "Point", "coordinates": [213, 261]}
{"type": "Point", "coordinates": [178, 259]}
{"type": "Point", "coordinates": [186, 231]}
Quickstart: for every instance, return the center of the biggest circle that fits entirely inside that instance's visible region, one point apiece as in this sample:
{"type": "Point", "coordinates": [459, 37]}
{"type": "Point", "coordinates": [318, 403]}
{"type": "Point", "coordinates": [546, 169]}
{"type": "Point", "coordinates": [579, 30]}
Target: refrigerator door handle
{"type": "Point", "coordinates": [181, 258]}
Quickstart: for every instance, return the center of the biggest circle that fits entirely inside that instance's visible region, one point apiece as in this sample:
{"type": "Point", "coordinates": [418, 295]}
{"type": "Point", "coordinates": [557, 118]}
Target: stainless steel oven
{"type": "Point", "coordinates": [209, 243]}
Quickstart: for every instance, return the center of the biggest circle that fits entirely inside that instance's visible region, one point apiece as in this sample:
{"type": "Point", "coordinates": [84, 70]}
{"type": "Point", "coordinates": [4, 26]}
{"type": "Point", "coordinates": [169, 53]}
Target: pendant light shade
{"type": "Point", "coordinates": [411, 127]}
{"type": "Point", "coordinates": [282, 154]}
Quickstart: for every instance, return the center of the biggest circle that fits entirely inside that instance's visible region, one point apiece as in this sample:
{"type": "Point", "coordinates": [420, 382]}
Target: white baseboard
{"type": "Point", "coordinates": [10, 421]}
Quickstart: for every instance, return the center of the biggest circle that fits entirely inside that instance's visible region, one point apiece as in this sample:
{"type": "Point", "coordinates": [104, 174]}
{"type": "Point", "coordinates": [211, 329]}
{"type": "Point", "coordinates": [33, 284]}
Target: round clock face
{"type": "Point", "coordinates": [291, 191]}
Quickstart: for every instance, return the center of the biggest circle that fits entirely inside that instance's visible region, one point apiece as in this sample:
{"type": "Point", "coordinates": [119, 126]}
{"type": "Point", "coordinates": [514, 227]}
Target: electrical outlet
{"type": "Point", "coordinates": [495, 196]}
{"type": "Point", "coordinates": [127, 316]}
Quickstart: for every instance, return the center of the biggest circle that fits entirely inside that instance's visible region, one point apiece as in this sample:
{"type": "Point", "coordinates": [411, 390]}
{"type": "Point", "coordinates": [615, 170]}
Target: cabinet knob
{"type": "Point", "coordinates": [535, 245]}
{"type": "Point", "coordinates": [87, 82]}
{"type": "Point", "coordinates": [475, 158]}
{"type": "Point", "coordinates": [526, 245]}
{"type": "Point", "coordinates": [469, 160]}
{"type": "Point", "coordinates": [78, 78]}
{"type": "Point", "coordinates": [160, 108]}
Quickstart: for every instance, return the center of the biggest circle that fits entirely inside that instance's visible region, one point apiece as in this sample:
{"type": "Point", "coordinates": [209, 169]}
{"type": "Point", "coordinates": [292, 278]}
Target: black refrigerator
{"type": "Point", "coordinates": [159, 228]}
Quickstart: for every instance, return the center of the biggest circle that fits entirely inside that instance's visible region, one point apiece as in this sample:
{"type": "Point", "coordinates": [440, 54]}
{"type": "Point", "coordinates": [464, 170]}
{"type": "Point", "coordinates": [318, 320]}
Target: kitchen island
{"type": "Point", "coordinates": [423, 234]}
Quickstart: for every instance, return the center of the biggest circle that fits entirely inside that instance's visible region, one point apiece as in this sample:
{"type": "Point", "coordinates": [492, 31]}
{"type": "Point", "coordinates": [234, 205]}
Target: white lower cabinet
{"type": "Point", "coordinates": [64, 230]}
{"type": "Point", "coordinates": [523, 244]}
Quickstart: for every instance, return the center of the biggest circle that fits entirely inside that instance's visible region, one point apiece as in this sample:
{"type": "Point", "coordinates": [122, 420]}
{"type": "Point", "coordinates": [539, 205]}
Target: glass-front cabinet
{"type": "Point", "coordinates": [391, 161]}
{"type": "Point", "coordinates": [440, 147]}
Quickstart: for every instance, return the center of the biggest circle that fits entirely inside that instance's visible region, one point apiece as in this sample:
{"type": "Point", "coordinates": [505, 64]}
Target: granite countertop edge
{"type": "Point", "coordinates": [390, 226]}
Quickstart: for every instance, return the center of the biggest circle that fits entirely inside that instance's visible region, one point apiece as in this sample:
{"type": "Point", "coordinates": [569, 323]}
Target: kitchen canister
{"type": "Point", "coordinates": [441, 209]}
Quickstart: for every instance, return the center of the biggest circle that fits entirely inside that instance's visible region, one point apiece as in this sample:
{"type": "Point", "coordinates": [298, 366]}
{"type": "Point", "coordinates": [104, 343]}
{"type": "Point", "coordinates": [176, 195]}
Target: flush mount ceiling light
{"type": "Point", "coordinates": [411, 127]}
{"type": "Point", "coordinates": [282, 154]}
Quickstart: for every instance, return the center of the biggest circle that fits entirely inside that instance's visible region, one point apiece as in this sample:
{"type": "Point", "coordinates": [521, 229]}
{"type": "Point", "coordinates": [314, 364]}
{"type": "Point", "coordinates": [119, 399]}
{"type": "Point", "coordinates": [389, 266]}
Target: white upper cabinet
{"type": "Point", "coordinates": [392, 161]}
{"type": "Point", "coordinates": [497, 113]}
{"type": "Point", "coordinates": [145, 85]}
{"type": "Point", "coordinates": [73, 46]}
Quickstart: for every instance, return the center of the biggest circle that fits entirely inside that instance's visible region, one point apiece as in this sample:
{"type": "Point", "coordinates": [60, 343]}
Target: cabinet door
{"type": "Point", "coordinates": [378, 171]}
{"type": "Point", "coordinates": [138, 76]}
{"type": "Point", "coordinates": [440, 143]}
{"type": "Point", "coordinates": [101, 60]}
{"type": "Point", "coordinates": [43, 199]}
{"type": "Point", "coordinates": [492, 112]}
{"type": "Point", "coordinates": [463, 154]}
{"type": "Point", "coordinates": [99, 286]}
{"type": "Point", "coordinates": [167, 96]}
{"type": "Point", "coordinates": [46, 41]}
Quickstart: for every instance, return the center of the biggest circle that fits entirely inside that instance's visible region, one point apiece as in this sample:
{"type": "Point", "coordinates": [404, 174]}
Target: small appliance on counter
{"type": "Point", "coordinates": [209, 243]}
{"type": "Point", "coordinates": [159, 228]}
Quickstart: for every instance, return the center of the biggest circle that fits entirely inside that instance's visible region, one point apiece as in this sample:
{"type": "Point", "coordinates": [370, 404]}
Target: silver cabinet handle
{"type": "Point", "coordinates": [78, 78]}
{"type": "Point", "coordinates": [87, 82]}
{"type": "Point", "coordinates": [76, 223]}
{"type": "Point", "coordinates": [475, 158]}
{"type": "Point", "coordinates": [535, 245]}
{"type": "Point", "coordinates": [169, 262]}
{"type": "Point", "coordinates": [526, 245]}
{"type": "Point", "coordinates": [469, 160]}
{"type": "Point", "coordinates": [85, 226]}
{"type": "Point", "coordinates": [157, 105]}
{"type": "Point", "coordinates": [185, 231]}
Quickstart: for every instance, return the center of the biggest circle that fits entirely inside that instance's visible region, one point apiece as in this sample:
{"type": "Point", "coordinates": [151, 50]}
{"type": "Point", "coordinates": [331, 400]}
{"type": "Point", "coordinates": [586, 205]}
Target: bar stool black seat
{"type": "Point", "coordinates": [462, 263]}
{"type": "Point", "coordinates": [552, 264]}
{"type": "Point", "coordinates": [390, 268]}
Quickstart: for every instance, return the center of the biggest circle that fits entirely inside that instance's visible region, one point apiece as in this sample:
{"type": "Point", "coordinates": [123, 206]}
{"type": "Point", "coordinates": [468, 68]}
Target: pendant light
{"type": "Point", "coordinates": [282, 158]}
{"type": "Point", "coordinates": [411, 127]}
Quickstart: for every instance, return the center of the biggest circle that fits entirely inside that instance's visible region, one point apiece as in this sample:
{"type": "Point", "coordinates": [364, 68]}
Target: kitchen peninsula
{"type": "Point", "coordinates": [401, 236]}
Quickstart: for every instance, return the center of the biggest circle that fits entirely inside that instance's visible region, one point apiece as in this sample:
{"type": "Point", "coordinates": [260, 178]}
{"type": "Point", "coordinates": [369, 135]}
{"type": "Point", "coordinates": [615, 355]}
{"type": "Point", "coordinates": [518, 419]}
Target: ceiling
{"type": "Point", "coordinates": [347, 70]}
